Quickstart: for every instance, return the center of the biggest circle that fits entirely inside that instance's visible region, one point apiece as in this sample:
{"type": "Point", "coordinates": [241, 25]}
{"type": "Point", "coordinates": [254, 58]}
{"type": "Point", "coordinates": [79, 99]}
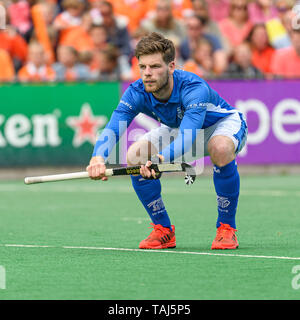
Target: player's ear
{"type": "Point", "coordinates": [172, 66]}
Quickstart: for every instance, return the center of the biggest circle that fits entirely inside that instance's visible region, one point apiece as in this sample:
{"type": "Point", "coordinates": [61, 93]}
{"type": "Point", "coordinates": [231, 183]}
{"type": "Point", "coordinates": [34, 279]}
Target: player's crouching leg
{"type": "Point", "coordinates": [227, 185]}
{"type": "Point", "coordinates": [149, 193]}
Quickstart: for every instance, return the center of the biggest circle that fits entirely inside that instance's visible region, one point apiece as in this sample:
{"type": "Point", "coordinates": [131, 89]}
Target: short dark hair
{"type": "Point", "coordinates": [156, 43]}
{"type": "Point", "coordinates": [97, 26]}
{"type": "Point", "coordinates": [108, 4]}
{"type": "Point", "coordinates": [111, 53]}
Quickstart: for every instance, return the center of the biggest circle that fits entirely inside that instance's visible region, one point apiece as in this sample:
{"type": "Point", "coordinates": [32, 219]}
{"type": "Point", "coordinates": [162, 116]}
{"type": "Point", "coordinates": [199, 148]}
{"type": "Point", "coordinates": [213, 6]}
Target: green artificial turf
{"type": "Point", "coordinates": [81, 223]}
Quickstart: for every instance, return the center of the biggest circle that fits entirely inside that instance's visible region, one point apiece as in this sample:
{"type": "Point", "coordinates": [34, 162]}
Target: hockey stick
{"type": "Point", "coordinates": [120, 171]}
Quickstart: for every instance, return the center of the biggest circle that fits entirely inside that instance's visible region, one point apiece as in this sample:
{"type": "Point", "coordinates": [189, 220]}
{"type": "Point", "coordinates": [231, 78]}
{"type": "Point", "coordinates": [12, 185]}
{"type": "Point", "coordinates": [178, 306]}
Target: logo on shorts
{"type": "Point", "coordinates": [223, 202]}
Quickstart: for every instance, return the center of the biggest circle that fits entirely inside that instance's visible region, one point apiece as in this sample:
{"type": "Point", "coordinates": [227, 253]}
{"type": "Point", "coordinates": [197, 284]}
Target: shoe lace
{"type": "Point", "coordinates": [225, 231]}
{"type": "Point", "coordinates": [158, 229]}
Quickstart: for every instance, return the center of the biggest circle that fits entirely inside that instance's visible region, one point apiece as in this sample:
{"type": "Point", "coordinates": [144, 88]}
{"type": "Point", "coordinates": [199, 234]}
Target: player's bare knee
{"type": "Point", "coordinates": [221, 151]}
{"type": "Point", "coordinates": [133, 155]}
{"type": "Point", "coordinates": [139, 152]}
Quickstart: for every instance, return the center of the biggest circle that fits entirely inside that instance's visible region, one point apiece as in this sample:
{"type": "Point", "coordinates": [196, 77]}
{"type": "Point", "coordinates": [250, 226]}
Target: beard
{"type": "Point", "coordinates": [161, 84]}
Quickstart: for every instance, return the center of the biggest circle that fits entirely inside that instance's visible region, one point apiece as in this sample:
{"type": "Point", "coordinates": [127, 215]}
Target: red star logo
{"type": "Point", "coordinates": [85, 125]}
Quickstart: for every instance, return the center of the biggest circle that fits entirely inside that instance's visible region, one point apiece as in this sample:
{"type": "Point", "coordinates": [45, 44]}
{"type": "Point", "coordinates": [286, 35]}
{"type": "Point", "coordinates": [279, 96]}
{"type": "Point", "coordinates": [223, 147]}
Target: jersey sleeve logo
{"type": "Point", "coordinates": [126, 104]}
{"type": "Point", "coordinates": [200, 105]}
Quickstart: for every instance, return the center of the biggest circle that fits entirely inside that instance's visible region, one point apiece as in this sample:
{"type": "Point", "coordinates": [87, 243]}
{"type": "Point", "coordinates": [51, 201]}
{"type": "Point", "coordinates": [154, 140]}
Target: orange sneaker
{"type": "Point", "coordinates": [159, 238]}
{"type": "Point", "coordinates": [225, 238]}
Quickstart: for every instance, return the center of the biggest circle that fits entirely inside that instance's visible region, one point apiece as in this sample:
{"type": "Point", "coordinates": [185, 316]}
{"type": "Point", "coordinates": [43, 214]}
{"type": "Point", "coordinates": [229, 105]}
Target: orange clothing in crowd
{"type": "Point", "coordinates": [68, 22]}
{"type": "Point", "coordinates": [135, 10]}
{"type": "Point", "coordinates": [14, 44]}
{"type": "Point", "coordinates": [262, 60]}
{"type": "Point", "coordinates": [7, 71]}
{"type": "Point", "coordinates": [135, 70]}
{"type": "Point", "coordinates": [180, 7]}
{"type": "Point", "coordinates": [234, 35]}
{"type": "Point", "coordinates": [286, 63]}
{"type": "Point", "coordinates": [192, 66]}
{"type": "Point", "coordinates": [79, 39]}
{"type": "Point", "coordinates": [95, 63]}
{"type": "Point", "coordinates": [41, 31]}
{"type": "Point", "coordinates": [30, 73]}
{"type": "Point", "coordinates": [70, 75]}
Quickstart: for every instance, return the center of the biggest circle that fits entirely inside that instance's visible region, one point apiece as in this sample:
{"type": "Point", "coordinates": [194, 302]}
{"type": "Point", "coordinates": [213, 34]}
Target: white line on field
{"type": "Point", "coordinates": [26, 246]}
{"type": "Point", "coordinates": [153, 251]}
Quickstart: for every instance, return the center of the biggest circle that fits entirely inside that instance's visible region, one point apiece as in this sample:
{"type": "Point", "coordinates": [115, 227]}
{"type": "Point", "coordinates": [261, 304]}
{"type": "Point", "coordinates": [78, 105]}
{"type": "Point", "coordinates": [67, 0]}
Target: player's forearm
{"type": "Point", "coordinates": [97, 159]}
{"type": "Point", "coordinates": [105, 143]}
{"type": "Point", "coordinates": [111, 134]}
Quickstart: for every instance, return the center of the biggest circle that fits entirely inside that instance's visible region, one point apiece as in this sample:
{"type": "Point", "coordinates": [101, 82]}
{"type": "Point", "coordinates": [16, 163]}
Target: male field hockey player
{"type": "Point", "coordinates": [180, 100]}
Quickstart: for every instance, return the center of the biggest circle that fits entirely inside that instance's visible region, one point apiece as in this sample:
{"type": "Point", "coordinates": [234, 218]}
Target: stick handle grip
{"type": "Point", "coordinates": [61, 177]}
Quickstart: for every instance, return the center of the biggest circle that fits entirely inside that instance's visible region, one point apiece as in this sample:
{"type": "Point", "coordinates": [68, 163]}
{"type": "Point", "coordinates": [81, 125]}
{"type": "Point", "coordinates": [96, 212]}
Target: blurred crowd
{"type": "Point", "coordinates": [94, 40]}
